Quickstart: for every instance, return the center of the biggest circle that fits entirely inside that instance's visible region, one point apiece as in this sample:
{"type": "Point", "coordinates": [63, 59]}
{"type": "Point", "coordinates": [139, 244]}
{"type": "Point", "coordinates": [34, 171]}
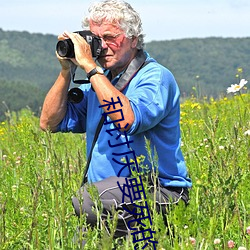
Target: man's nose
{"type": "Point", "coordinates": [104, 44]}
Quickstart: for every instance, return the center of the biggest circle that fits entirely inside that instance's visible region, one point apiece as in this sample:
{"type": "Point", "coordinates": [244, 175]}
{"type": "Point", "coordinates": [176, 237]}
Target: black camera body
{"type": "Point", "coordinates": [65, 48]}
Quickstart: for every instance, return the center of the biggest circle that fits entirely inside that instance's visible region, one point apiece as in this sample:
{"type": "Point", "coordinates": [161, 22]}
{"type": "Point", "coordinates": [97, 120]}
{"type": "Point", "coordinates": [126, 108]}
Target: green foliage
{"type": "Point", "coordinates": [40, 172]}
{"type": "Point", "coordinates": [36, 184]}
{"type": "Point", "coordinates": [28, 68]}
{"type": "Point", "coordinates": [208, 62]}
{"type": "Point", "coordinates": [28, 58]}
{"type": "Point", "coordinates": [204, 67]}
{"type": "Point", "coordinates": [14, 95]}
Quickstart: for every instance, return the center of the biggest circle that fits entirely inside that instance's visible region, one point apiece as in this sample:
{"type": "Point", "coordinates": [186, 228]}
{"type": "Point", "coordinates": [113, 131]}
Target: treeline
{"type": "Point", "coordinates": [28, 67]}
{"type": "Point", "coordinates": [204, 67]}
{"type": "Point", "coordinates": [16, 95]}
{"type": "Point", "coordinates": [210, 64]}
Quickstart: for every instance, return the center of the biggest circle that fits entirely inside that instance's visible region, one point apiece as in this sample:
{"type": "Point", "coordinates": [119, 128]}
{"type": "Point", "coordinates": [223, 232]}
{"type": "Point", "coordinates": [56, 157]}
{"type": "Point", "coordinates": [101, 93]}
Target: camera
{"type": "Point", "coordinates": [65, 48]}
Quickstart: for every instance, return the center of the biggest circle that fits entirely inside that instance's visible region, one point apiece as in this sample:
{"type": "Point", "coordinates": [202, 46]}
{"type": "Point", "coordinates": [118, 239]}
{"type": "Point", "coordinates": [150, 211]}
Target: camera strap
{"type": "Point", "coordinates": [136, 64]}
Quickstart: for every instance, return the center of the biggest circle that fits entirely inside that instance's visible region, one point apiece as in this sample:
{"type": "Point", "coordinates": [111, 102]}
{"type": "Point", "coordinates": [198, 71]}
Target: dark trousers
{"type": "Point", "coordinates": [112, 198]}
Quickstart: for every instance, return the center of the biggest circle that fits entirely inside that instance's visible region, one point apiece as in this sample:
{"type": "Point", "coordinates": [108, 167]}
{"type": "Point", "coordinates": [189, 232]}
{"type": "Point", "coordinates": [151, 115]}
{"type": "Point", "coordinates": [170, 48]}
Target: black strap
{"type": "Point", "coordinates": [97, 132]}
{"type": "Point", "coordinates": [136, 64]}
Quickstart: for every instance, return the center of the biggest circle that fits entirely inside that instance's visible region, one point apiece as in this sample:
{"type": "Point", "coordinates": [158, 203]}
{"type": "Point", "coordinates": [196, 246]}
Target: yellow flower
{"type": "Point", "coordinates": [240, 70]}
{"type": "Point", "coordinates": [195, 105]}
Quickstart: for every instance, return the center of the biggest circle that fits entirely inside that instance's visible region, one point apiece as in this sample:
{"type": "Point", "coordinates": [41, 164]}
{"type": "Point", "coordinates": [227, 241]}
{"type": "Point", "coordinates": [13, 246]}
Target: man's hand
{"type": "Point", "coordinates": [66, 63]}
{"type": "Point", "coordinates": [83, 54]}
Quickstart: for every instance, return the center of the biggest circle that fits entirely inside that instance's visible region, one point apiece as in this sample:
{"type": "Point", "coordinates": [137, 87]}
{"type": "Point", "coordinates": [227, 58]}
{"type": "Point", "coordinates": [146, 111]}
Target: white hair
{"type": "Point", "coordinates": [118, 12]}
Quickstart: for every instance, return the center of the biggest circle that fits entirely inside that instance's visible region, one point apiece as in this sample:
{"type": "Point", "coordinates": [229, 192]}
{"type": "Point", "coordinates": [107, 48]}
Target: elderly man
{"type": "Point", "coordinates": [139, 100]}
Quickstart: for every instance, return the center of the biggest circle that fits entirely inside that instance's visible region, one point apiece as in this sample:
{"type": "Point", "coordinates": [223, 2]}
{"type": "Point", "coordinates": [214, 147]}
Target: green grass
{"type": "Point", "coordinates": [40, 172]}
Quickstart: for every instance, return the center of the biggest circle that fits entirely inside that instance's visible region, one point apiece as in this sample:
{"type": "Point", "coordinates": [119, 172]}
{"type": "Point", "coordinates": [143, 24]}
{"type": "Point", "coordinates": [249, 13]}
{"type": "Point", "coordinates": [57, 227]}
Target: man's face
{"type": "Point", "coordinates": [118, 50]}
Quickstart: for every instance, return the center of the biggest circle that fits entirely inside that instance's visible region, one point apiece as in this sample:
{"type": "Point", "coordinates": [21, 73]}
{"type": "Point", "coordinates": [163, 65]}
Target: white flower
{"type": "Point", "coordinates": [217, 241]}
{"type": "Point", "coordinates": [22, 210]}
{"type": "Point", "coordinates": [242, 248]}
{"type": "Point", "coordinates": [237, 87]}
{"type": "Point", "coordinates": [246, 133]}
{"type": "Point", "coordinates": [192, 240]}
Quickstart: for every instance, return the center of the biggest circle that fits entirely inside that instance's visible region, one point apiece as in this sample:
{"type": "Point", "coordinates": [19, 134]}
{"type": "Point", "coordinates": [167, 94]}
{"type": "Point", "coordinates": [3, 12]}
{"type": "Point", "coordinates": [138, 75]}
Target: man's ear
{"type": "Point", "coordinates": [134, 42]}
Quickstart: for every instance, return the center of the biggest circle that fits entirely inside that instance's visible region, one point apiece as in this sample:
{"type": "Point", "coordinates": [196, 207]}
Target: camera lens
{"type": "Point", "coordinates": [75, 95]}
{"type": "Point", "coordinates": [65, 48]}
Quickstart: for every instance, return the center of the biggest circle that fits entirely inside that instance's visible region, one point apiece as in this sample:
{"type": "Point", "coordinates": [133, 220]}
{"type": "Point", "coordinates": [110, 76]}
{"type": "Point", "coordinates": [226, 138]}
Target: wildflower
{"type": "Point", "coordinates": [242, 248]}
{"type": "Point", "coordinates": [195, 106]}
{"type": "Point", "coordinates": [248, 230]}
{"type": "Point", "coordinates": [221, 147]}
{"type": "Point", "coordinates": [45, 216]}
{"type": "Point", "coordinates": [237, 87]}
{"type": "Point", "coordinates": [240, 70]}
{"type": "Point", "coordinates": [22, 210]}
{"type": "Point", "coordinates": [230, 244]}
{"type": "Point", "coordinates": [216, 241]}
{"type": "Point", "coordinates": [198, 182]}
{"type": "Point", "coordinates": [247, 133]}
{"type": "Point", "coordinates": [192, 240]}
{"type": "Point", "coordinates": [14, 188]}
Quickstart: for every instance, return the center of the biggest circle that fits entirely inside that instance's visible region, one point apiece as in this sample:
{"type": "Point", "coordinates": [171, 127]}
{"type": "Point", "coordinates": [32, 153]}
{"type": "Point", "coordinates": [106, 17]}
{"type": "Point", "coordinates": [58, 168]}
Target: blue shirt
{"type": "Point", "coordinates": [154, 98]}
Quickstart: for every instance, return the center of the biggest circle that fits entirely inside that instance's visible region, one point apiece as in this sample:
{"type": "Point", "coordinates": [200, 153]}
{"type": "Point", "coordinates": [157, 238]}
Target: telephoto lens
{"type": "Point", "coordinates": [65, 48]}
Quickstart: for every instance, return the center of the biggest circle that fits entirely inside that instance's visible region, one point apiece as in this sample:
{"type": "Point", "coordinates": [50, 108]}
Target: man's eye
{"type": "Point", "coordinates": [108, 37]}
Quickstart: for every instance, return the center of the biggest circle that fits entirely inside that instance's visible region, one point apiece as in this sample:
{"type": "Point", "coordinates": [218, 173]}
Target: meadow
{"type": "Point", "coordinates": [40, 172]}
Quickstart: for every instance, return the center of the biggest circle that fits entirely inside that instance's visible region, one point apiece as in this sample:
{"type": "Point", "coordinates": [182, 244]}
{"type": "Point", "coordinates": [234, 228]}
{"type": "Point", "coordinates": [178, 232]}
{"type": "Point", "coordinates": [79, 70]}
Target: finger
{"type": "Point", "coordinates": [62, 36]}
{"type": "Point", "coordinates": [69, 34]}
{"type": "Point", "coordinates": [75, 37]}
{"type": "Point", "coordinates": [59, 57]}
{"type": "Point", "coordinates": [66, 33]}
{"type": "Point", "coordinates": [69, 60]}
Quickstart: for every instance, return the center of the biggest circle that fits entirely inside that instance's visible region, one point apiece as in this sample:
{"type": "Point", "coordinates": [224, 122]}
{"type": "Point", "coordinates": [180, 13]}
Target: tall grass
{"type": "Point", "coordinates": [40, 172]}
